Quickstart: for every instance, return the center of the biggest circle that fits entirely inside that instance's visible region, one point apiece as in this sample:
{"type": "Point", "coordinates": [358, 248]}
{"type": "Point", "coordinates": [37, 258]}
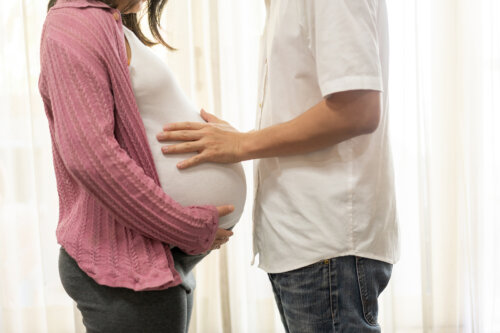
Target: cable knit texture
{"type": "Point", "coordinates": [114, 218]}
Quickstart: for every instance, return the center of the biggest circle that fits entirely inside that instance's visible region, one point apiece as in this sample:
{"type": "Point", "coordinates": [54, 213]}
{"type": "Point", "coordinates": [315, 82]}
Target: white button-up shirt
{"type": "Point", "coordinates": [340, 200]}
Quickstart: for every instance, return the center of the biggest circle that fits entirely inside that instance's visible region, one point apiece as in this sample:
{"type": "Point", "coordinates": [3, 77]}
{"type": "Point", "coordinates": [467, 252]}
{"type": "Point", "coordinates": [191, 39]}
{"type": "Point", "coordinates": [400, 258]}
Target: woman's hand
{"type": "Point", "coordinates": [222, 235]}
{"type": "Point", "coordinates": [213, 141]}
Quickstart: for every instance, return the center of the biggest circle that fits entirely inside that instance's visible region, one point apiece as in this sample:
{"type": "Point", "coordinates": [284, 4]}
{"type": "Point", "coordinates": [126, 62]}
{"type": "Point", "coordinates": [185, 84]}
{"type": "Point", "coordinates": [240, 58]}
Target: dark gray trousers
{"type": "Point", "coordinates": [121, 310]}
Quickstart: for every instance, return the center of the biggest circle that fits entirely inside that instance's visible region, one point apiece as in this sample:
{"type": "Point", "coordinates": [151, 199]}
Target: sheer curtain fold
{"type": "Point", "coordinates": [31, 298]}
{"type": "Point", "coordinates": [451, 53]}
{"type": "Point", "coordinates": [444, 83]}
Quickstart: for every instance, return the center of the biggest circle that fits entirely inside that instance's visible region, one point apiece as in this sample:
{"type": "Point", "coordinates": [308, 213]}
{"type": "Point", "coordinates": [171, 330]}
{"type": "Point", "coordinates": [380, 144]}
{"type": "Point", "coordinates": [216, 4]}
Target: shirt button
{"type": "Point", "coordinates": [116, 15]}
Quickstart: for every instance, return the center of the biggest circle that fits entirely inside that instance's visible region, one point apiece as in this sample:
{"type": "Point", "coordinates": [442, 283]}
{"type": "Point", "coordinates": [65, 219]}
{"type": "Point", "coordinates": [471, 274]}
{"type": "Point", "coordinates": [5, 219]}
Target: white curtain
{"type": "Point", "coordinates": [31, 297]}
{"type": "Point", "coordinates": [445, 79]}
{"type": "Point", "coordinates": [445, 76]}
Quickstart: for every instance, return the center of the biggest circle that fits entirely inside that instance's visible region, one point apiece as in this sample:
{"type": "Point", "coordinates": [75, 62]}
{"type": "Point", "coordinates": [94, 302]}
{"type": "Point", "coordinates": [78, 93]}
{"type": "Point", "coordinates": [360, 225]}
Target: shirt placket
{"type": "Point", "coordinates": [257, 171]}
{"type": "Point", "coordinates": [263, 98]}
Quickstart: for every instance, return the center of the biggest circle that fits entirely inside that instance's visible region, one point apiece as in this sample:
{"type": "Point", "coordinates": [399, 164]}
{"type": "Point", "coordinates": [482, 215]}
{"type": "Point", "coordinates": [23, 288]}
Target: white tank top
{"type": "Point", "coordinates": [160, 101]}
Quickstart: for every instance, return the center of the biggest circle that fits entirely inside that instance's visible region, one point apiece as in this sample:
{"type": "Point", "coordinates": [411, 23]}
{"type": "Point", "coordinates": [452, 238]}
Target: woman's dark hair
{"type": "Point", "coordinates": [131, 21]}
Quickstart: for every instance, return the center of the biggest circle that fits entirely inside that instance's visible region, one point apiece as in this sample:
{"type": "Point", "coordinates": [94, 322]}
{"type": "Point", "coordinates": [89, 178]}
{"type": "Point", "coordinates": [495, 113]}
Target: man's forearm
{"type": "Point", "coordinates": [330, 122]}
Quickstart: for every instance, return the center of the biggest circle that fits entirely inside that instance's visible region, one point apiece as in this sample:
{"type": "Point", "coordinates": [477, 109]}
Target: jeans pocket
{"type": "Point", "coordinates": [373, 277]}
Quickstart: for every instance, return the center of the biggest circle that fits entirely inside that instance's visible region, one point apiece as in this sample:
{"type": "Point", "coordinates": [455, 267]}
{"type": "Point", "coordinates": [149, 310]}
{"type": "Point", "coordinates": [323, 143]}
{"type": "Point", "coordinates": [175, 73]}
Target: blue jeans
{"type": "Point", "coordinates": [336, 295]}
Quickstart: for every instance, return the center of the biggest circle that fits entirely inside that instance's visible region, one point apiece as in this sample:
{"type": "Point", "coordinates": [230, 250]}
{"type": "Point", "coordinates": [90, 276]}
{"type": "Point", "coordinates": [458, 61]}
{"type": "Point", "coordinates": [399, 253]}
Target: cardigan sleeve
{"type": "Point", "coordinates": [78, 94]}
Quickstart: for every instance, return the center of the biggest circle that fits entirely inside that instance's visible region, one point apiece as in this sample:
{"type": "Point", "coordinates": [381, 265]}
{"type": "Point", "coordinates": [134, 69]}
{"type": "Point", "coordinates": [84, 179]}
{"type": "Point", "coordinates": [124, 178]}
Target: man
{"type": "Point", "coordinates": [325, 222]}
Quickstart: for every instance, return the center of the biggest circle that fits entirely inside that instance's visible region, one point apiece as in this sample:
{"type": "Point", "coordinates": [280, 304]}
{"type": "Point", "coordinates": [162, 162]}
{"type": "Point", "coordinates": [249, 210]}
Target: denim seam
{"type": "Point", "coordinates": [363, 292]}
{"type": "Point", "coordinates": [277, 288]}
{"type": "Point", "coordinates": [331, 294]}
{"type": "Point", "coordinates": [335, 300]}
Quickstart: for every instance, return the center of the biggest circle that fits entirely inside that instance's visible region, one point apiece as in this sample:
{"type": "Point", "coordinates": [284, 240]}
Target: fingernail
{"type": "Point", "coordinates": [180, 165]}
{"type": "Point", "coordinates": [166, 127]}
{"type": "Point", "coordinates": [164, 149]}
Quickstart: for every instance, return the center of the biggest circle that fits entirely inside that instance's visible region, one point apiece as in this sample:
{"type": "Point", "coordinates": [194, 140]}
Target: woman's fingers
{"type": "Point", "coordinates": [225, 210]}
{"type": "Point", "coordinates": [216, 245]}
{"type": "Point", "coordinates": [221, 235]}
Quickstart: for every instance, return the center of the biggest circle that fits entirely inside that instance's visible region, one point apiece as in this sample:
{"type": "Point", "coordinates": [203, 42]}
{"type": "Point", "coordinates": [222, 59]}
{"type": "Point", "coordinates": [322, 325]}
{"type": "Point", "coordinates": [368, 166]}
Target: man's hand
{"type": "Point", "coordinates": [214, 141]}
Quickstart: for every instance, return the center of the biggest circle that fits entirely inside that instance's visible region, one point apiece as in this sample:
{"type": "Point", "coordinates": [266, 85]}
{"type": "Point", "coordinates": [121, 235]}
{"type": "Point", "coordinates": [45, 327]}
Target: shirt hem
{"type": "Point", "coordinates": [350, 83]}
{"type": "Point", "coordinates": [122, 277]}
{"type": "Point", "coordinates": [390, 260]}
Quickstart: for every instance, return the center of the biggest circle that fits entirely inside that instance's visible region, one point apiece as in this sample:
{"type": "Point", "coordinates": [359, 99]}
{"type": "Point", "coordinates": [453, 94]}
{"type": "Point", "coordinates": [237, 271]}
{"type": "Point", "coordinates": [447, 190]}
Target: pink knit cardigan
{"type": "Point", "coordinates": [114, 218]}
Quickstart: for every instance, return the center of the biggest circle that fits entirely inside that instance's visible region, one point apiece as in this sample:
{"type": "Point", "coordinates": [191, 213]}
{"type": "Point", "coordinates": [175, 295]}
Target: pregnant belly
{"type": "Point", "coordinates": [205, 184]}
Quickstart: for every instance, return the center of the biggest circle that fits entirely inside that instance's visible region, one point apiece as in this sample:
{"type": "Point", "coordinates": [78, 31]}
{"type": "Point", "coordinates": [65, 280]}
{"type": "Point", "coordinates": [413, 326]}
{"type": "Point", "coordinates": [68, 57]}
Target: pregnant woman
{"type": "Point", "coordinates": [131, 225]}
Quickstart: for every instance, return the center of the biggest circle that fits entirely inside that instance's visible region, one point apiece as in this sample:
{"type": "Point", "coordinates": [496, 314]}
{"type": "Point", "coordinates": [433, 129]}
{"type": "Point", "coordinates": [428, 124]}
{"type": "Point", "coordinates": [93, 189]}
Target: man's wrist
{"type": "Point", "coordinates": [247, 147]}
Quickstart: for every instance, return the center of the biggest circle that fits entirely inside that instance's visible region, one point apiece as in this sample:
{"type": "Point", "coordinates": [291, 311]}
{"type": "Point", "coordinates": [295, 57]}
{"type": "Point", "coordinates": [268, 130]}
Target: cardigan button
{"type": "Point", "coordinates": [116, 15]}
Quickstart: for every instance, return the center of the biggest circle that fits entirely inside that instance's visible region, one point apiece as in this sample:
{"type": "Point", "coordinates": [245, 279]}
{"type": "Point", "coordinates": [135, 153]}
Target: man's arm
{"type": "Point", "coordinates": [339, 117]}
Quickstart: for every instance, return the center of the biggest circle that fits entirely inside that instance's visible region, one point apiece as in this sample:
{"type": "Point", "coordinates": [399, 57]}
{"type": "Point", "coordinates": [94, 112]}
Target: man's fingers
{"type": "Point", "coordinates": [191, 162]}
{"type": "Point", "coordinates": [179, 135]}
{"type": "Point", "coordinates": [186, 147]}
{"type": "Point", "coordinates": [186, 125]}
{"type": "Point", "coordinates": [210, 118]}
{"type": "Point", "coordinates": [225, 210]}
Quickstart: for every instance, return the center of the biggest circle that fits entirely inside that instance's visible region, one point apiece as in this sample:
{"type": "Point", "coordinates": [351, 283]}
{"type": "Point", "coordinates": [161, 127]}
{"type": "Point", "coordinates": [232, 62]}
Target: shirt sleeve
{"type": "Point", "coordinates": [343, 38]}
{"type": "Point", "coordinates": [81, 105]}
